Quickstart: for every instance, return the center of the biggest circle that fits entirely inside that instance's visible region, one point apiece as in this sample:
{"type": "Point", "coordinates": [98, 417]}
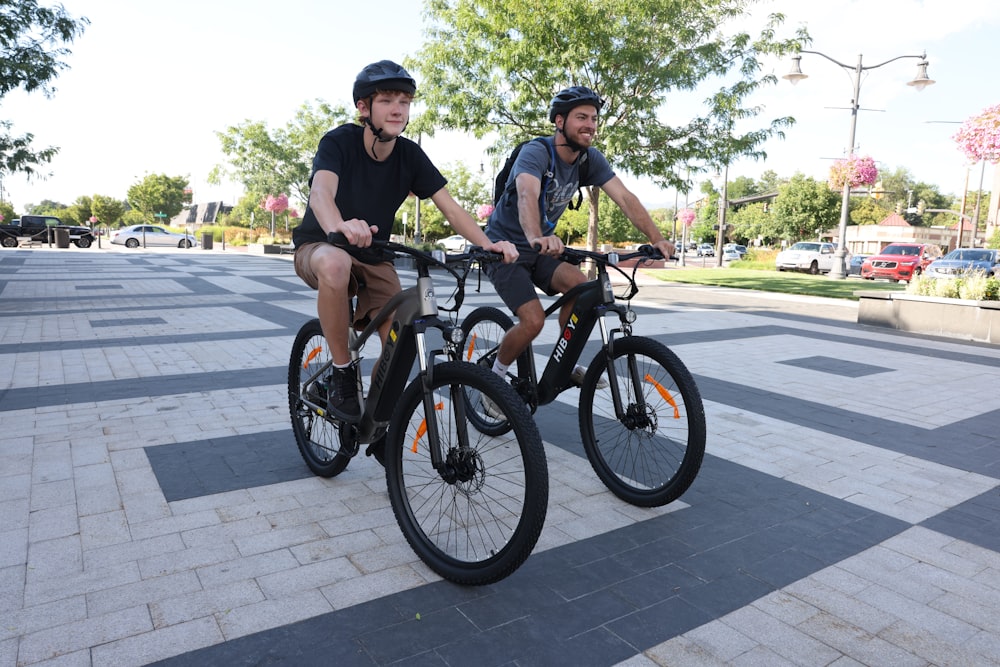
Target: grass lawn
{"type": "Point", "coordinates": [777, 281]}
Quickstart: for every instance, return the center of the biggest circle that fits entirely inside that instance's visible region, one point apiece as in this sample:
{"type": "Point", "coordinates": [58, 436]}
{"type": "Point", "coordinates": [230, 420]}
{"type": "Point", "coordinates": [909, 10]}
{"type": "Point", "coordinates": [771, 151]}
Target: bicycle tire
{"type": "Point", "coordinates": [483, 330]}
{"type": "Point", "coordinates": [476, 520]}
{"type": "Point", "coordinates": [647, 458]}
{"type": "Point", "coordinates": [322, 444]}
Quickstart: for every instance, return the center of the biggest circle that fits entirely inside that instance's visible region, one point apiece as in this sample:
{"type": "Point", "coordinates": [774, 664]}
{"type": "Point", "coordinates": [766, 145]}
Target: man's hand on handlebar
{"type": "Point", "coordinates": [665, 248]}
{"type": "Point", "coordinates": [548, 245]}
{"type": "Point", "coordinates": [357, 232]}
{"type": "Point", "coordinates": [505, 248]}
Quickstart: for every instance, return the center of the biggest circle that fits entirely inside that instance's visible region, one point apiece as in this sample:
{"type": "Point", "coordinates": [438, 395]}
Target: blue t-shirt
{"type": "Point", "coordinates": [560, 189]}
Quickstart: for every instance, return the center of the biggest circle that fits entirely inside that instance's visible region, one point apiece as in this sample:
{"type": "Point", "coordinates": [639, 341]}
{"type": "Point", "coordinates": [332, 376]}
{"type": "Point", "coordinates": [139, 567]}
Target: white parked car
{"type": "Point", "coordinates": [138, 236]}
{"type": "Point", "coordinates": [812, 256]}
{"type": "Point", "coordinates": [454, 243]}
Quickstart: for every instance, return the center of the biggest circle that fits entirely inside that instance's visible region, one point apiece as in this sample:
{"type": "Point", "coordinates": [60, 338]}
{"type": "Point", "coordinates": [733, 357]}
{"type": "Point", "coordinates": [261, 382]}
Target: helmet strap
{"type": "Point", "coordinates": [574, 146]}
{"type": "Point", "coordinates": [377, 131]}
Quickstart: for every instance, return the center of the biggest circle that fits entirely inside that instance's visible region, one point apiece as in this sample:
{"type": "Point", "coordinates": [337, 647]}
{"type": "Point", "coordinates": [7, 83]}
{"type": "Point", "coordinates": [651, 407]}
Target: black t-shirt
{"type": "Point", "coordinates": [367, 189]}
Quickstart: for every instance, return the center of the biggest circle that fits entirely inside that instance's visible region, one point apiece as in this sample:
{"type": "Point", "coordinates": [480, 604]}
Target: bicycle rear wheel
{"type": "Point", "coordinates": [651, 454]}
{"type": "Point", "coordinates": [477, 518]}
{"type": "Point", "coordinates": [326, 448]}
{"type": "Point", "coordinates": [484, 328]}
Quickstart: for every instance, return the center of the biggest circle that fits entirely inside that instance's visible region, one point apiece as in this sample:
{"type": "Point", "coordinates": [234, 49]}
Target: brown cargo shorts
{"type": "Point", "coordinates": [373, 284]}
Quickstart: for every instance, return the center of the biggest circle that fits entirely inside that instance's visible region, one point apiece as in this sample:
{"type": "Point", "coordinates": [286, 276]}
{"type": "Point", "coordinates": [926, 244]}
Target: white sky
{"type": "Point", "coordinates": [151, 82]}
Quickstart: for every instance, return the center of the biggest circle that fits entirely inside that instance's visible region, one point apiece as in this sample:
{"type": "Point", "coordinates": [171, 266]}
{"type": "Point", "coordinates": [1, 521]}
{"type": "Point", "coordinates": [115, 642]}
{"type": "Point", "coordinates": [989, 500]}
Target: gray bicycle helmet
{"type": "Point", "coordinates": [383, 75]}
{"type": "Point", "coordinates": [571, 98]}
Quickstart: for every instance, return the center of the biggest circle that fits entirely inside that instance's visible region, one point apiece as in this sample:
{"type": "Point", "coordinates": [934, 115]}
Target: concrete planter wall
{"type": "Point", "coordinates": [954, 318]}
{"type": "Point", "coordinates": [264, 248]}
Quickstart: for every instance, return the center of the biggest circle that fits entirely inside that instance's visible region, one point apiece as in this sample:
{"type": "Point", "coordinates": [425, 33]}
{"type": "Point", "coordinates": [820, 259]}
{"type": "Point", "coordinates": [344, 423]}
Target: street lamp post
{"type": "Point", "coordinates": [921, 81]}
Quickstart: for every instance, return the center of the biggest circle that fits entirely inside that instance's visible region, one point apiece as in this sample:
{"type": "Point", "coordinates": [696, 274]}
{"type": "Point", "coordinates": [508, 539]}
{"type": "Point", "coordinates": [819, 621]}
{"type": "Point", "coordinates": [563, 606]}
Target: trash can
{"type": "Point", "coordinates": [62, 238]}
{"type": "Point", "coordinates": [206, 240]}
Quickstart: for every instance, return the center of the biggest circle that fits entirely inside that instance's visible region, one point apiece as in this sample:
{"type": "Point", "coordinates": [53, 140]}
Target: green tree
{"type": "Point", "coordinates": [158, 193]}
{"type": "Point", "coordinates": [707, 215]}
{"type": "Point", "coordinates": [896, 186]}
{"type": "Point", "coordinates": [32, 48]}
{"type": "Point", "coordinates": [741, 186]}
{"type": "Point", "coordinates": [495, 64]}
{"type": "Point", "coordinates": [614, 227]}
{"type": "Point", "coordinates": [752, 222]}
{"type": "Point", "coordinates": [268, 161]}
{"type": "Point", "coordinates": [867, 211]}
{"type": "Point", "coordinates": [804, 208]}
{"type": "Point", "coordinates": [79, 212]}
{"type": "Point", "coordinates": [45, 207]}
{"type": "Point", "coordinates": [468, 187]}
{"type": "Point", "coordinates": [572, 225]}
{"type": "Point", "coordinates": [107, 210]}
{"type": "Point", "coordinates": [768, 181]}
{"type": "Point", "coordinates": [8, 213]}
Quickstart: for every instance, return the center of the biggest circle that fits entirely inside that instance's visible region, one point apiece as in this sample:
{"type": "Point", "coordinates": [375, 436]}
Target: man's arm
{"type": "Point", "coordinates": [529, 192]}
{"type": "Point", "coordinates": [462, 222]}
{"type": "Point", "coordinates": [322, 200]}
{"type": "Point", "coordinates": [637, 214]}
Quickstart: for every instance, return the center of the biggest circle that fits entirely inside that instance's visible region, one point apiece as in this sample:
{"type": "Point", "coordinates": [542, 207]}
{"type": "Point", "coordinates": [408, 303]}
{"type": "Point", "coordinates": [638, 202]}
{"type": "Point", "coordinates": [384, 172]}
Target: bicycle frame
{"type": "Point", "coordinates": [594, 299]}
{"type": "Point", "coordinates": [414, 310]}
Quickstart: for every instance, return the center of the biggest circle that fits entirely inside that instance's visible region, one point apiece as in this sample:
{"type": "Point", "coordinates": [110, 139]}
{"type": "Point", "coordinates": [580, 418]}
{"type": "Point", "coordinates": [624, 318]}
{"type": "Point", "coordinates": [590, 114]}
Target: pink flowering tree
{"type": "Point", "coordinates": [686, 216]}
{"type": "Point", "coordinates": [484, 211]}
{"type": "Point", "coordinates": [853, 171]}
{"type": "Point", "coordinates": [275, 205]}
{"type": "Point", "coordinates": [979, 136]}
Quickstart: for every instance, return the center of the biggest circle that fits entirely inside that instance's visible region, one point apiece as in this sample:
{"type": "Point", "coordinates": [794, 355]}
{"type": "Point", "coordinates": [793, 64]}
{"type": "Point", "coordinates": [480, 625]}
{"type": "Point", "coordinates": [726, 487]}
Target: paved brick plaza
{"type": "Point", "coordinates": [154, 508]}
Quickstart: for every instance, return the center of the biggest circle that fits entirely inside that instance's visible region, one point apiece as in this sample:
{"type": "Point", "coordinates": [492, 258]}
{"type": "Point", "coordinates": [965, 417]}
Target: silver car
{"type": "Point", "coordinates": [152, 236]}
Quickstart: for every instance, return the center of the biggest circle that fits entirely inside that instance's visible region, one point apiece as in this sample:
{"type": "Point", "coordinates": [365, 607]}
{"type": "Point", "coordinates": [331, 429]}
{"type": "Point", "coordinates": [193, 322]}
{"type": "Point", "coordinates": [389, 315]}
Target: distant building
{"type": "Point", "coordinates": [200, 214]}
{"type": "Point", "coordinates": [870, 239]}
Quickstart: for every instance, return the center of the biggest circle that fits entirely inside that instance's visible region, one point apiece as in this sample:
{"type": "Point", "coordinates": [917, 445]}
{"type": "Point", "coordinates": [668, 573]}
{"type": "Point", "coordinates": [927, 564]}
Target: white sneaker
{"type": "Point", "coordinates": [491, 409]}
{"type": "Point", "coordinates": [576, 377]}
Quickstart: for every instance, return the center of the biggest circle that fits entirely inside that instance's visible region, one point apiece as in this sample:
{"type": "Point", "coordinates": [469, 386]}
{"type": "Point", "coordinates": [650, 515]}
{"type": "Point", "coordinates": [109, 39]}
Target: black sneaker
{"type": "Point", "coordinates": [377, 449]}
{"type": "Point", "coordinates": [341, 390]}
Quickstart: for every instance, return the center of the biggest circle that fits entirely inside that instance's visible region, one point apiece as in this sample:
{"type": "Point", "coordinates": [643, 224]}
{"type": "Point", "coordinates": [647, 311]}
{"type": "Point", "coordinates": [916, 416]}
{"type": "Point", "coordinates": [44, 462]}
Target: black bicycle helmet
{"type": "Point", "coordinates": [383, 75]}
{"type": "Point", "coordinates": [571, 98]}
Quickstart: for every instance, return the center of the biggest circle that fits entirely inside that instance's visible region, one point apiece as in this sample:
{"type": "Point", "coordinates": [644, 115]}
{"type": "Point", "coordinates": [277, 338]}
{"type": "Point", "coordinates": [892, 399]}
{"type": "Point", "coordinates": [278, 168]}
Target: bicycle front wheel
{"type": "Point", "coordinates": [476, 517]}
{"type": "Point", "coordinates": [325, 449]}
{"type": "Point", "coordinates": [650, 453]}
{"type": "Point", "coordinates": [483, 330]}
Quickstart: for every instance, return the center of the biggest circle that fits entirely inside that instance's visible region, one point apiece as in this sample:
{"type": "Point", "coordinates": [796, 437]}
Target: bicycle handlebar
{"type": "Point", "coordinates": [435, 258]}
{"type": "Point", "coordinates": [644, 252]}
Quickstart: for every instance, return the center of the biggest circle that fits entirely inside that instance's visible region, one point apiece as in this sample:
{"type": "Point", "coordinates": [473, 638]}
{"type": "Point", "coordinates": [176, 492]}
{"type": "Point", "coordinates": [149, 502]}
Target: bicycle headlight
{"type": "Point", "coordinates": [456, 335]}
{"type": "Point", "coordinates": [631, 316]}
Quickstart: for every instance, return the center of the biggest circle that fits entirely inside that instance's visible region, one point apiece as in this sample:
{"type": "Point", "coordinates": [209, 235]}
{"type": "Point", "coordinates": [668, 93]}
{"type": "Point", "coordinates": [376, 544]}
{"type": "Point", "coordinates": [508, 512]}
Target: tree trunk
{"type": "Point", "coordinates": [593, 200]}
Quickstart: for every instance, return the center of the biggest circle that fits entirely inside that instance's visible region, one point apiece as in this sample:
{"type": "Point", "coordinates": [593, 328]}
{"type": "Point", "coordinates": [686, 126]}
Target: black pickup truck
{"type": "Point", "coordinates": [42, 229]}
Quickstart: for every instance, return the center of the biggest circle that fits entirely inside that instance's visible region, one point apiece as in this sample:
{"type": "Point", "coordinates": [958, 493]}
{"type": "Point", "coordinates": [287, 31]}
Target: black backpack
{"type": "Point", "coordinates": [500, 185]}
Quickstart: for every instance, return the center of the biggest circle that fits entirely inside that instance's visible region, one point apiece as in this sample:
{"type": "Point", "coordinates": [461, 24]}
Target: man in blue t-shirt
{"type": "Point", "coordinates": [361, 175]}
{"type": "Point", "coordinates": [527, 217]}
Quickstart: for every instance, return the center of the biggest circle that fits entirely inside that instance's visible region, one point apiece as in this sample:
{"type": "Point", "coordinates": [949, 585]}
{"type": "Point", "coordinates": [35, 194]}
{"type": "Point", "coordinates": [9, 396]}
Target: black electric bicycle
{"type": "Point", "coordinates": [644, 432]}
{"type": "Point", "coordinates": [470, 504]}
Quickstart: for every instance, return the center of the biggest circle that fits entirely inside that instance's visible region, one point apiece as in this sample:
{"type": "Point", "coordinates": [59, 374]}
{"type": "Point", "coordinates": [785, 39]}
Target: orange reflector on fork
{"type": "Point", "coordinates": [665, 394]}
{"type": "Point", "coordinates": [312, 355]}
{"type": "Point", "coordinates": [423, 427]}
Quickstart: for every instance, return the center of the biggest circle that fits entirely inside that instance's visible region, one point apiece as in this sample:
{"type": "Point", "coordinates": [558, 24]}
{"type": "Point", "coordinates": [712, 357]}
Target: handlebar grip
{"type": "Point", "coordinates": [482, 255]}
{"type": "Point", "coordinates": [651, 251]}
{"type": "Point", "coordinates": [337, 238]}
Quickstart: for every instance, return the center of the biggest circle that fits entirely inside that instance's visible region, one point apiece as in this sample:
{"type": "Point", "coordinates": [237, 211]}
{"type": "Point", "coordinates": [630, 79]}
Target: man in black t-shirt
{"type": "Point", "coordinates": [361, 175]}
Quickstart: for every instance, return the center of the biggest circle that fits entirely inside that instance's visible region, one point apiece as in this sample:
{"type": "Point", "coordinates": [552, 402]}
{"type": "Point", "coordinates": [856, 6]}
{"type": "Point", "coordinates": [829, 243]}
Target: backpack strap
{"type": "Point", "coordinates": [512, 185]}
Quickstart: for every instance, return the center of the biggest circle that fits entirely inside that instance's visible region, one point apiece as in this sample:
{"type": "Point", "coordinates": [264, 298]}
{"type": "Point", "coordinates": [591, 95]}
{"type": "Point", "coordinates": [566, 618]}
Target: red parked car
{"type": "Point", "coordinates": [900, 261]}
